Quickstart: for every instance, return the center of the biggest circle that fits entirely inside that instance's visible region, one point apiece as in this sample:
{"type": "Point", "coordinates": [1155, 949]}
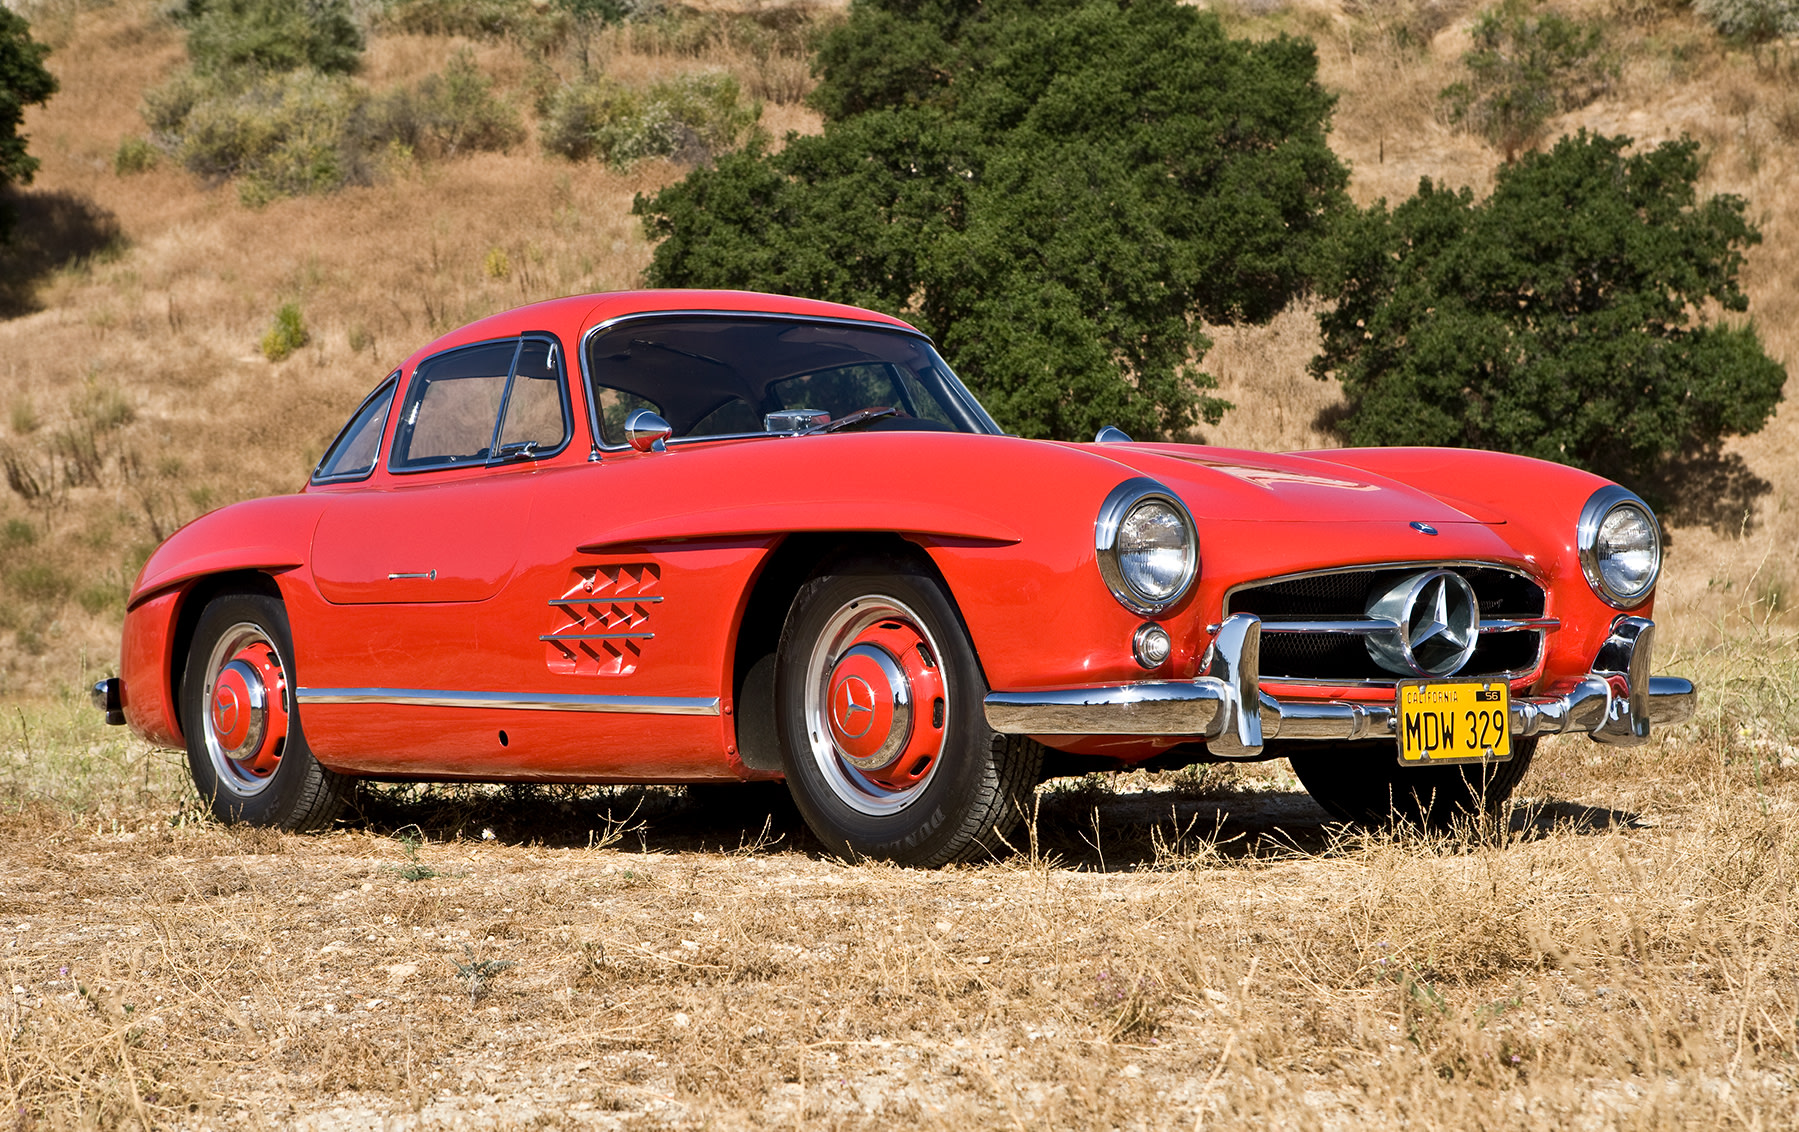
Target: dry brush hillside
{"type": "Point", "coordinates": [132, 312]}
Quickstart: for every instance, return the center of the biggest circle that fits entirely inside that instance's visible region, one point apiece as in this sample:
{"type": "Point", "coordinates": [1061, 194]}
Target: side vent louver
{"type": "Point", "coordinates": [602, 622]}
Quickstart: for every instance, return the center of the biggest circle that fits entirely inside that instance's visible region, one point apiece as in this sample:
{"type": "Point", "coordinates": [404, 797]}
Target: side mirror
{"type": "Point", "coordinates": [647, 431]}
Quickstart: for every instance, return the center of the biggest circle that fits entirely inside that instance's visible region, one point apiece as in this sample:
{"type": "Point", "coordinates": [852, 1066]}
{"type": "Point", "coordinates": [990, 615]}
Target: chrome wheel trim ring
{"type": "Point", "coordinates": [228, 770]}
{"type": "Point", "coordinates": [838, 636]}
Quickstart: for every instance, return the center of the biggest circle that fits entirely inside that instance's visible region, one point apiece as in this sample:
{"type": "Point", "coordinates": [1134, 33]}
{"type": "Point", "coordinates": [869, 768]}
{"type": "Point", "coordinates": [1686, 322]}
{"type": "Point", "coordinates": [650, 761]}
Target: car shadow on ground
{"type": "Point", "coordinates": [1086, 827]}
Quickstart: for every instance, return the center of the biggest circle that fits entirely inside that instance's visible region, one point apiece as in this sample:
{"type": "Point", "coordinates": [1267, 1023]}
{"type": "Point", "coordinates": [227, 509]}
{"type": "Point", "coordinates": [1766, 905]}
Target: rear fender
{"type": "Point", "coordinates": [265, 535]}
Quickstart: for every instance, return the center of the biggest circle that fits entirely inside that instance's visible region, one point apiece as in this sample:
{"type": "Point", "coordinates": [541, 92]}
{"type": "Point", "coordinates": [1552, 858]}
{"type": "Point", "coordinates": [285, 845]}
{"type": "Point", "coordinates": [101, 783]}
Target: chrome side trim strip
{"type": "Point", "coordinates": [601, 599]}
{"type": "Point", "coordinates": [597, 637]}
{"type": "Point", "coordinates": [512, 701]}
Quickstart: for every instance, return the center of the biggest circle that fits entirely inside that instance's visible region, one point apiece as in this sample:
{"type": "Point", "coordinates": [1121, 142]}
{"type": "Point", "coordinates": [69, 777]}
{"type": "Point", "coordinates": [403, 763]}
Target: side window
{"type": "Point", "coordinates": [733, 418]}
{"type": "Point", "coordinates": [534, 407]}
{"type": "Point", "coordinates": [352, 455]}
{"type": "Point", "coordinates": [615, 406]}
{"type": "Point", "coordinates": [465, 406]}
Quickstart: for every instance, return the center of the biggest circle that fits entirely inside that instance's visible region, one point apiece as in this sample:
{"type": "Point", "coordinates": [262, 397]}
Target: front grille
{"type": "Point", "coordinates": [1343, 595]}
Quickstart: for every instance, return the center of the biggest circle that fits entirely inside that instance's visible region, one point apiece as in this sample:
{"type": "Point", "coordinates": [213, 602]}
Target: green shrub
{"type": "Point", "coordinates": [1565, 317]}
{"type": "Point", "coordinates": [286, 335]}
{"type": "Point", "coordinates": [39, 583]}
{"type": "Point", "coordinates": [689, 118]}
{"type": "Point", "coordinates": [1060, 191]}
{"type": "Point", "coordinates": [17, 533]}
{"type": "Point", "coordinates": [1523, 70]}
{"type": "Point", "coordinates": [1756, 21]}
{"type": "Point", "coordinates": [305, 131]}
{"type": "Point", "coordinates": [231, 36]}
{"type": "Point", "coordinates": [101, 599]}
{"type": "Point", "coordinates": [283, 134]}
{"type": "Point", "coordinates": [134, 155]}
{"type": "Point", "coordinates": [448, 113]}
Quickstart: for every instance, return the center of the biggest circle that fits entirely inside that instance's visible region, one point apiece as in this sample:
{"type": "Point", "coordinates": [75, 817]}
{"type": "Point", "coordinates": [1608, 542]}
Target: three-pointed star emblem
{"type": "Point", "coordinates": [1442, 615]}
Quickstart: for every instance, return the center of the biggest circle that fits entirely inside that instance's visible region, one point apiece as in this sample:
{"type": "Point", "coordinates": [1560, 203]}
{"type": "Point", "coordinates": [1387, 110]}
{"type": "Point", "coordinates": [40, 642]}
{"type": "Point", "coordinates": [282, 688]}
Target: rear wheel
{"type": "Point", "coordinates": [1363, 783]}
{"type": "Point", "coordinates": [884, 735]}
{"type": "Point", "coordinates": [245, 749]}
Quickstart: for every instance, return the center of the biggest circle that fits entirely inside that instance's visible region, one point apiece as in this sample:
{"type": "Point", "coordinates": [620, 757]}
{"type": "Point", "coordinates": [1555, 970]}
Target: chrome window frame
{"type": "Point", "coordinates": [518, 341]}
{"type": "Point", "coordinates": [1118, 504]}
{"type": "Point", "coordinates": [957, 387]}
{"type": "Point", "coordinates": [1593, 514]}
{"type": "Point", "coordinates": [392, 379]}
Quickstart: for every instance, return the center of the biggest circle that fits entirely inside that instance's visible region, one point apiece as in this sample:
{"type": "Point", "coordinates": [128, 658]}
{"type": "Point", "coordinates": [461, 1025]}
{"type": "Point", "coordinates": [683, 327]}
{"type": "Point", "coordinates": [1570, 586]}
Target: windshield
{"type": "Point", "coordinates": [735, 375]}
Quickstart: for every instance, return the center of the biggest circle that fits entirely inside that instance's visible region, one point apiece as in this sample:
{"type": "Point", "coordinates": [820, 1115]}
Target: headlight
{"type": "Point", "coordinates": [1620, 547]}
{"type": "Point", "coordinates": [1148, 549]}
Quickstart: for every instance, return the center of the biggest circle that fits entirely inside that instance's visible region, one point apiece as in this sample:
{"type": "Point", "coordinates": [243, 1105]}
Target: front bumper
{"type": "Point", "coordinates": [1615, 703]}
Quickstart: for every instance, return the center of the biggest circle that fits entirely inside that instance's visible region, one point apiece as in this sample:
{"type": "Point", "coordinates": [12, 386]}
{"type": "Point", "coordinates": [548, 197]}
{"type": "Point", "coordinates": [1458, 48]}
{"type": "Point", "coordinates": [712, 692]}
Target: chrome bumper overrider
{"type": "Point", "coordinates": [108, 695]}
{"type": "Point", "coordinates": [1615, 703]}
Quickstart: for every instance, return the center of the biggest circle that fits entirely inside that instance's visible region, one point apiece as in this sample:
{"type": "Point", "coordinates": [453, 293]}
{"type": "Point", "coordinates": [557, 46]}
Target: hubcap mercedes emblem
{"type": "Point", "coordinates": [855, 707]}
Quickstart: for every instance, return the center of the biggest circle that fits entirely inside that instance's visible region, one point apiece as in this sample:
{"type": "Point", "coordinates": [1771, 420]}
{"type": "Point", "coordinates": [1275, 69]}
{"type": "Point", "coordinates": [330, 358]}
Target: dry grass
{"type": "Point", "coordinates": [1172, 950]}
{"type": "Point", "coordinates": [1169, 951]}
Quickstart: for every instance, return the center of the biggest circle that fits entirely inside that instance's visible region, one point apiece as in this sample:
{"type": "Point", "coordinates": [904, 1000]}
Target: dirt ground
{"type": "Point", "coordinates": [1182, 950]}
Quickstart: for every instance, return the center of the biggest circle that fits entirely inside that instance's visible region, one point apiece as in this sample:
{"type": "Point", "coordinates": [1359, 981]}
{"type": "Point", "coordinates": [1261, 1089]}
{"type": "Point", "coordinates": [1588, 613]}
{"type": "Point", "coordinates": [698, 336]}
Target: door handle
{"type": "Point", "coordinates": [427, 576]}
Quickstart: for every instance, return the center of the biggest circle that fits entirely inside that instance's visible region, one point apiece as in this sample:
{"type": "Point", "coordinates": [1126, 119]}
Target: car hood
{"type": "Point", "coordinates": [1231, 484]}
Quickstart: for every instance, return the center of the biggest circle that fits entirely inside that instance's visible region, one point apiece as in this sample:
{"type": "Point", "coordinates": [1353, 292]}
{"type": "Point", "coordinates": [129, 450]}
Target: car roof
{"type": "Point", "coordinates": [580, 312]}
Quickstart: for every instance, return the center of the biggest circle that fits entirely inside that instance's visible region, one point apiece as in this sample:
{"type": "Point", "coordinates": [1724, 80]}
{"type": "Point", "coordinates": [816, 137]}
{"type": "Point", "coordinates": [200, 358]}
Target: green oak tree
{"type": "Point", "coordinates": [1060, 191]}
{"type": "Point", "coordinates": [23, 82]}
{"type": "Point", "coordinates": [228, 37]}
{"type": "Point", "coordinates": [1564, 317]}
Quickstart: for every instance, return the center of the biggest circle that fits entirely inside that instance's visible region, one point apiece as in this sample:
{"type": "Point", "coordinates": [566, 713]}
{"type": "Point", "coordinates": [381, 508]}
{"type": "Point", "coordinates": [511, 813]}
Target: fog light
{"type": "Point", "coordinates": [1151, 646]}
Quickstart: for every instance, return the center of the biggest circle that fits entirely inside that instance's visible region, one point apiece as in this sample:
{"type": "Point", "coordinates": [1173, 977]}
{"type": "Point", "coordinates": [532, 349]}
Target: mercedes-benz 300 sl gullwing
{"type": "Point", "coordinates": [700, 537]}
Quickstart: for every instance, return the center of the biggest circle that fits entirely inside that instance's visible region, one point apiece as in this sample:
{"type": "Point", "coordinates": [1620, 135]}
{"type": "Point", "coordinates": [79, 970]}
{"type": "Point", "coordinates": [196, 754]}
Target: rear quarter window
{"type": "Point", "coordinates": [352, 456]}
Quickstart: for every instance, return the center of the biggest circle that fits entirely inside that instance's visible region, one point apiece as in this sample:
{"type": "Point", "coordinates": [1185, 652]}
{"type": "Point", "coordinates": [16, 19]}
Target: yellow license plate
{"type": "Point", "coordinates": [1454, 721]}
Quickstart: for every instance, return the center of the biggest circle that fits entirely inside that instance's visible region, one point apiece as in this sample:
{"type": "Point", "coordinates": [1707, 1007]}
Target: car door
{"type": "Point", "coordinates": [444, 533]}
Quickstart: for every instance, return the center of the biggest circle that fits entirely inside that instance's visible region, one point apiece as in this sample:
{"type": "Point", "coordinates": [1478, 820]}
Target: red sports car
{"type": "Point", "coordinates": [691, 536]}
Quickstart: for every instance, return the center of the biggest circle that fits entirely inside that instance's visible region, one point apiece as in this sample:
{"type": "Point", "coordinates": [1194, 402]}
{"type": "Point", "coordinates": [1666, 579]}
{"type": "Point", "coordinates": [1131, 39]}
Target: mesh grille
{"type": "Point", "coordinates": [1501, 594]}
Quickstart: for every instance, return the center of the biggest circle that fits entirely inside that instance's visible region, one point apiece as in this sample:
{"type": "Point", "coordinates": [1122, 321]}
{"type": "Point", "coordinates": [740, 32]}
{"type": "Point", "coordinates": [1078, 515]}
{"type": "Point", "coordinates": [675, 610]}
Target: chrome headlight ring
{"type": "Point", "coordinates": [1151, 504]}
{"type": "Point", "coordinates": [1605, 511]}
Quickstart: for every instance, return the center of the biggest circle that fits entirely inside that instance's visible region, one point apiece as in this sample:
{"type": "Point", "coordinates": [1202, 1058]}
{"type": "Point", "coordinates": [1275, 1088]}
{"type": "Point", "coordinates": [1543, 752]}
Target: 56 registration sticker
{"type": "Point", "coordinates": [1454, 721]}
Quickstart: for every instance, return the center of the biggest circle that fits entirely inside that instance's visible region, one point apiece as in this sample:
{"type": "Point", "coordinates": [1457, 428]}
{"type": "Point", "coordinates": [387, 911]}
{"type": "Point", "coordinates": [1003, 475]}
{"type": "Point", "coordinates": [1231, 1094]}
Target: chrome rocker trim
{"type": "Point", "coordinates": [1615, 703]}
{"type": "Point", "coordinates": [513, 701]}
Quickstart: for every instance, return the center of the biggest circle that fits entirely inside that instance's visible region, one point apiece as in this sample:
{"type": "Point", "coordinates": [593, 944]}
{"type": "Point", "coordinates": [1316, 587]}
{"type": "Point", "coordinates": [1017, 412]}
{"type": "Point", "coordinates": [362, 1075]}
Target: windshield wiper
{"type": "Point", "coordinates": [853, 420]}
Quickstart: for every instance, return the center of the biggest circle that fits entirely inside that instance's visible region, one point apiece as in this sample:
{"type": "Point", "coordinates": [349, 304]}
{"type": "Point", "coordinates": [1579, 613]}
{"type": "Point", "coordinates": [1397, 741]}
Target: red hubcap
{"type": "Point", "coordinates": [249, 709]}
{"type": "Point", "coordinates": [885, 705]}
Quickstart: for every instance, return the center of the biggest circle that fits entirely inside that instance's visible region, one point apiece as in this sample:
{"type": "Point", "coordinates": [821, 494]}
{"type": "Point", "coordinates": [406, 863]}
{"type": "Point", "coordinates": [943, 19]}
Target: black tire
{"type": "Point", "coordinates": [268, 781]}
{"type": "Point", "coordinates": [972, 785]}
{"type": "Point", "coordinates": [1364, 784]}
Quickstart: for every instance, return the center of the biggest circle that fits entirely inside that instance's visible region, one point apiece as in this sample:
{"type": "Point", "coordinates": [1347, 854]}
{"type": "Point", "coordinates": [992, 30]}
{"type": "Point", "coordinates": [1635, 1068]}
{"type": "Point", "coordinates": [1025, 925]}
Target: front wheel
{"type": "Point", "coordinates": [1364, 784]}
{"type": "Point", "coordinates": [245, 749]}
{"type": "Point", "coordinates": [883, 731]}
